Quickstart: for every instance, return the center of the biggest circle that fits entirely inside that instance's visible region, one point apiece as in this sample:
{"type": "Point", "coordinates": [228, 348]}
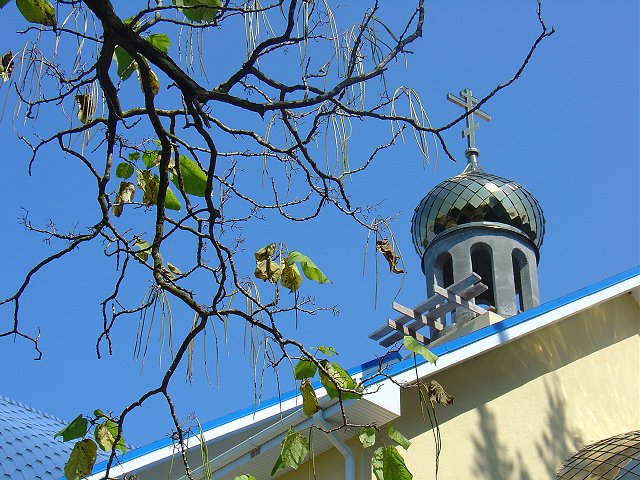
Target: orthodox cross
{"type": "Point", "coordinates": [468, 102]}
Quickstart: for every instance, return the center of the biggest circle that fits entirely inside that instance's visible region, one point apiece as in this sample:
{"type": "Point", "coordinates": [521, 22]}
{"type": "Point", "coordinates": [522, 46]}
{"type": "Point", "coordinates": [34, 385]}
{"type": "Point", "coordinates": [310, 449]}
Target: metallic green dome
{"type": "Point", "coordinates": [476, 197]}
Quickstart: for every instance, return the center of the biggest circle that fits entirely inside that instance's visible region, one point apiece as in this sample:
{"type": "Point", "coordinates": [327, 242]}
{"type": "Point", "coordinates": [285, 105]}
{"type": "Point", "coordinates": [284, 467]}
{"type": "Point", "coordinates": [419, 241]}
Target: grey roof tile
{"type": "Point", "coordinates": [27, 448]}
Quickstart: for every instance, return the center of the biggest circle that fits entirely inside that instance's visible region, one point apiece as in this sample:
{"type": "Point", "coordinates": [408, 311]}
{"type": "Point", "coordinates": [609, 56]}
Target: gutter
{"type": "Point", "coordinates": [342, 447]}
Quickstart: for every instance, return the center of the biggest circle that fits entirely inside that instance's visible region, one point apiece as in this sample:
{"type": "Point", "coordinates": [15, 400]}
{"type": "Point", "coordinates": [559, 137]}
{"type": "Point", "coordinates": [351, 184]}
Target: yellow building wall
{"type": "Point", "coordinates": [523, 408]}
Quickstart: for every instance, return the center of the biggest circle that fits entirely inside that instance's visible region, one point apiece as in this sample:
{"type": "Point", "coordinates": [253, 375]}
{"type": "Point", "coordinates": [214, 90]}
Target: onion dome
{"type": "Point", "coordinates": [476, 198]}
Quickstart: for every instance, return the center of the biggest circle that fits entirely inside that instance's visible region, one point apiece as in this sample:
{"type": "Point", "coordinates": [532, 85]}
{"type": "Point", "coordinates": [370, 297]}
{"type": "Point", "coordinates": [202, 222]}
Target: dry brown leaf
{"type": "Point", "coordinates": [384, 247]}
{"type": "Point", "coordinates": [437, 394]}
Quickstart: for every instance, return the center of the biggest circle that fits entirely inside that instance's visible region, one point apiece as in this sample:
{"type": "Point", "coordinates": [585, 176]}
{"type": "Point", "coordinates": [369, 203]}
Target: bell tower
{"type": "Point", "coordinates": [482, 223]}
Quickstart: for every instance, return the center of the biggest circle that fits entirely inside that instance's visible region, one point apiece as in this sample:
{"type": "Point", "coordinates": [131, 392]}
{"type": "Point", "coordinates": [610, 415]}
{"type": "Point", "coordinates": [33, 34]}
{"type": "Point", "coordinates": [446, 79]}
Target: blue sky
{"type": "Point", "coordinates": [568, 130]}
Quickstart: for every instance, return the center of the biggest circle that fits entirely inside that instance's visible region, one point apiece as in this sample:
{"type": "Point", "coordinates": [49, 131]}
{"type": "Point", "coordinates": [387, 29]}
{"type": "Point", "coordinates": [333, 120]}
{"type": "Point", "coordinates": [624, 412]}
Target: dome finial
{"type": "Point", "coordinates": [469, 102]}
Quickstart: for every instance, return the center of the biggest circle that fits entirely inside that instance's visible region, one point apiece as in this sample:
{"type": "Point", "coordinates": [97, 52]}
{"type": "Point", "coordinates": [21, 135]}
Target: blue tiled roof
{"type": "Point", "coordinates": [27, 448]}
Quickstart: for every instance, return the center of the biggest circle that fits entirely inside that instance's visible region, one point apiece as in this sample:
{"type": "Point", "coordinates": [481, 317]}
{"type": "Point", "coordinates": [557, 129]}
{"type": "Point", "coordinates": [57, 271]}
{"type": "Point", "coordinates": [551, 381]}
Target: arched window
{"type": "Point", "coordinates": [444, 270]}
{"type": "Point", "coordinates": [522, 280]}
{"type": "Point", "coordinates": [482, 264]}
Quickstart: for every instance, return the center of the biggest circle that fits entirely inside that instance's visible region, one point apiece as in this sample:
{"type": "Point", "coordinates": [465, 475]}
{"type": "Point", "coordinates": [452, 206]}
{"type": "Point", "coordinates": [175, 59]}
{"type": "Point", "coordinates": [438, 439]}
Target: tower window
{"type": "Point", "coordinates": [482, 263]}
{"type": "Point", "coordinates": [521, 280]}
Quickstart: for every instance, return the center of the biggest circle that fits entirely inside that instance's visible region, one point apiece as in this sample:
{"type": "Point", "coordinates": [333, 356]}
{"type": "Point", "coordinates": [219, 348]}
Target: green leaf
{"type": "Point", "coordinates": [244, 477]}
{"type": "Point", "coordinates": [124, 170]}
{"type": "Point", "coordinates": [160, 41]}
{"type": "Point", "coordinates": [76, 429]}
{"type": "Point", "coordinates": [81, 460]}
{"type": "Point", "coordinates": [398, 437]}
{"type": "Point", "coordinates": [311, 271]}
{"type": "Point", "coordinates": [145, 249]}
{"type": "Point", "coordinates": [198, 10]}
{"type": "Point", "coordinates": [310, 403]}
{"type": "Point", "coordinates": [3, 3]}
{"type": "Point", "coordinates": [171, 201]}
{"type": "Point", "coordinates": [149, 182]}
{"type": "Point", "coordinates": [105, 435]}
{"type": "Point", "coordinates": [341, 378]}
{"type": "Point", "coordinates": [388, 464]}
{"type": "Point", "coordinates": [295, 448]}
{"type": "Point", "coordinates": [415, 346]}
{"type": "Point", "coordinates": [328, 351]}
{"type": "Point", "coordinates": [193, 177]}
{"type": "Point", "coordinates": [290, 277]}
{"type": "Point", "coordinates": [133, 156]}
{"type": "Point", "coordinates": [367, 437]}
{"type": "Point", "coordinates": [173, 269]}
{"type": "Point", "coordinates": [150, 158]}
{"type": "Point", "coordinates": [305, 369]}
{"type": "Point", "coordinates": [126, 63]}
{"type": "Point", "coordinates": [37, 11]}
{"type": "Point", "coordinates": [277, 466]}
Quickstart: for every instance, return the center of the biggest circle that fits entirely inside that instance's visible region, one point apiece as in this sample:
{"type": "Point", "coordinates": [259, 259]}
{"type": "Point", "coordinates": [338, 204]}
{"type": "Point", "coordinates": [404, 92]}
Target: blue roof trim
{"type": "Point", "coordinates": [270, 402]}
{"type": "Point", "coordinates": [400, 366]}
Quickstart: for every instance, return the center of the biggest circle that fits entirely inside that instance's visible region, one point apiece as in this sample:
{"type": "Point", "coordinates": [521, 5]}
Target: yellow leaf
{"type": "Point", "coordinates": [86, 107]}
{"type": "Point", "coordinates": [267, 270]}
{"type": "Point", "coordinates": [384, 247]}
{"type": "Point", "coordinates": [124, 195]}
{"type": "Point", "coordinates": [290, 277]}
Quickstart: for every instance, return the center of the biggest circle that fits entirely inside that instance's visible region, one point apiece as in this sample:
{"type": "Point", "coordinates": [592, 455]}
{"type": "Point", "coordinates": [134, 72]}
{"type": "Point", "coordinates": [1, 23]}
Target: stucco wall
{"type": "Point", "coordinates": [522, 409]}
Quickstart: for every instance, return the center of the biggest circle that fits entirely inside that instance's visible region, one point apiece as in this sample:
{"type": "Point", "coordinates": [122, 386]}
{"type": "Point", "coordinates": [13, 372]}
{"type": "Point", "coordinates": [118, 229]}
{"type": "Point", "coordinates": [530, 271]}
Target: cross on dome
{"type": "Point", "coordinates": [468, 102]}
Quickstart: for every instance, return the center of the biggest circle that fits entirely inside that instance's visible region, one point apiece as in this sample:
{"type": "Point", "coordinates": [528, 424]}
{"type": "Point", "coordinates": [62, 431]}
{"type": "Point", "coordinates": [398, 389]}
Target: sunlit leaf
{"type": "Point", "coordinates": [86, 107]}
{"type": "Point", "coordinates": [305, 369]}
{"type": "Point", "coordinates": [398, 437]}
{"type": "Point", "coordinates": [193, 178]}
{"type": "Point", "coordinates": [6, 65]}
{"type": "Point", "coordinates": [295, 448]}
{"type": "Point", "coordinates": [198, 10]}
{"type": "Point", "coordinates": [124, 170]}
{"type": "Point", "coordinates": [76, 429]}
{"type": "Point", "coordinates": [265, 252]}
{"type": "Point", "coordinates": [148, 183]}
{"type": "Point", "coordinates": [244, 477]}
{"type": "Point", "coordinates": [437, 394]}
{"type": "Point", "coordinates": [267, 270]}
{"type": "Point", "coordinates": [415, 346]}
{"type": "Point", "coordinates": [160, 41]}
{"type": "Point", "coordinates": [328, 351]}
{"type": "Point", "coordinates": [125, 62]}
{"type": "Point", "coordinates": [388, 464]}
{"type": "Point", "coordinates": [384, 247]}
{"type": "Point", "coordinates": [145, 249]}
{"type": "Point", "coordinates": [124, 195]}
{"type": "Point", "coordinates": [310, 403]}
{"type": "Point", "coordinates": [151, 158]}
{"type": "Point", "coordinates": [341, 380]}
{"type": "Point", "coordinates": [311, 271]}
{"type": "Point", "coordinates": [133, 156]}
{"type": "Point", "coordinates": [154, 82]}
{"type": "Point", "coordinates": [105, 435]}
{"type": "Point", "coordinates": [367, 437]}
{"type": "Point", "coordinates": [81, 460]}
{"type": "Point", "coordinates": [173, 269]}
{"type": "Point", "coordinates": [290, 277]}
{"type": "Point", "coordinates": [37, 11]}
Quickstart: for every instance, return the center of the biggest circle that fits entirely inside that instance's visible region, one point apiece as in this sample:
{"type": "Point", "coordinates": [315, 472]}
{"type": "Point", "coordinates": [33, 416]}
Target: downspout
{"type": "Point", "coordinates": [341, 446]}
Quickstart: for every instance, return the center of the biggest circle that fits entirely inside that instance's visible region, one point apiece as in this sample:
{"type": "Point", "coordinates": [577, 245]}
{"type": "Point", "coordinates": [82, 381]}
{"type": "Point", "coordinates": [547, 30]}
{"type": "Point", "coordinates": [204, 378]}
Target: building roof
{"type": "Point", "coordinates": [27, 448]}
{"type": "Point", "coordinates": [280, 413]}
